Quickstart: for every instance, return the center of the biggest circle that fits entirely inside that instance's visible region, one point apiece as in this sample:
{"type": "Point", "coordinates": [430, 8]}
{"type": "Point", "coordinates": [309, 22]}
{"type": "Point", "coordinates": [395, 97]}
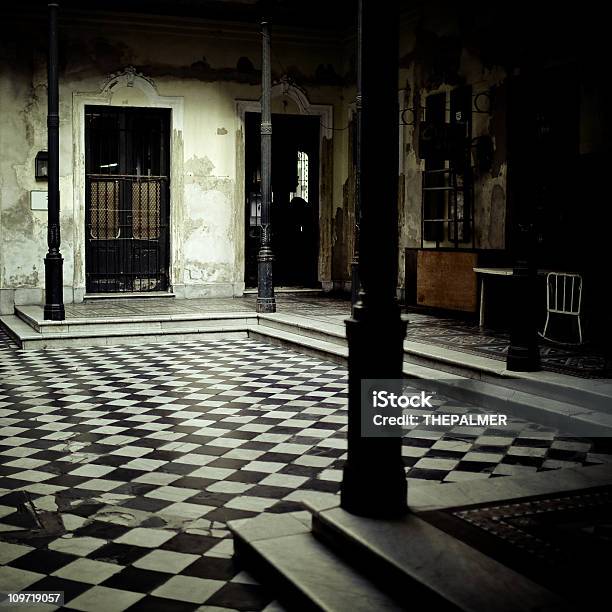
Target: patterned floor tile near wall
{"type": "Point", "coordinates": [121, 466]}
{"type": "Point", "coordinates": [583, 361]}
{"type": "Point", "coordinates": [318, 305]}
{"type": "Point", "coordinates": [541, 537]}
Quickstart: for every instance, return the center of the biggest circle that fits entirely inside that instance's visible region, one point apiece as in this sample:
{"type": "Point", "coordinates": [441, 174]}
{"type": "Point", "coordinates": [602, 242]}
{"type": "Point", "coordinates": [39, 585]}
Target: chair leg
{"type": "Point", "coordinates": [546, 324]}
{"type": "Point", "coordinates": [579, 329]}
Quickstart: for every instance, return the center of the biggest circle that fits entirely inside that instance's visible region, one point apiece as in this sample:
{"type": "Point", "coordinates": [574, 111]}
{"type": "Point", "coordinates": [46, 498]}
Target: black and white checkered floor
{"type": "Point", "coordinates": [120, 466]}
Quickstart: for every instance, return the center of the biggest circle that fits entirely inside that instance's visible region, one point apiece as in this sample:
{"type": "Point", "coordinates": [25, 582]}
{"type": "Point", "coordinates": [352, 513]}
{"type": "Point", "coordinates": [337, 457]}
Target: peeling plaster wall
{"type": "Point", "coordinates": [208, 70]}
{"type": "Point", "coordinates": [22, 134]}
{"type": "Point", "coordinates": [433, 59]}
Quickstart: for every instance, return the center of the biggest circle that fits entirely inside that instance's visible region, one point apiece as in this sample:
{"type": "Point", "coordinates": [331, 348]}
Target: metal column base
{"type": "Point", "coordinates": [54, 298]}
{"type": "Point", "coordinates": [266, 302]}
{"type": "Point", "coordinates": [374, 480]}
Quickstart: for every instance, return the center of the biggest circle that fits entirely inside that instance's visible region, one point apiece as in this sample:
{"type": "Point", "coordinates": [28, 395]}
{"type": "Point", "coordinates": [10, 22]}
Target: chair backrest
{"type": "Point", "coordinates": [564, 293]}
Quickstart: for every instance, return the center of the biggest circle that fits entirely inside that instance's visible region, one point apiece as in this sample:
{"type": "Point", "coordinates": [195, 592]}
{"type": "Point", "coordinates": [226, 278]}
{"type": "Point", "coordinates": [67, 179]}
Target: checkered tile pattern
{"type": "Point", "coordinates": [120, 466]}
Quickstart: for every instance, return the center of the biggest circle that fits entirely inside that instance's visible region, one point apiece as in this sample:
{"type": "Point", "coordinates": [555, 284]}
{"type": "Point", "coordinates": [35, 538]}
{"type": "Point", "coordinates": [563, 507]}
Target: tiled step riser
{"type": "Point", "coordinates": [259, 333]}
{"type": "Point", "coordinates": [178, 336]}
{"type": "Point", "coordinates": [390, 578]}
{"type": "Point", "coordinates": [304, 331]}
{"type": "Point", "coordinates": [285, 591]}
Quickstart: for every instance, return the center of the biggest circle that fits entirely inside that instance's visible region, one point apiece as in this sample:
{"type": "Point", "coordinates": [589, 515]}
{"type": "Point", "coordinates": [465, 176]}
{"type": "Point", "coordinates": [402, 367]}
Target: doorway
{"type": "Point", "coordinates": [295, 199]}
{"type": "Point", "coordinates": [127, 168]}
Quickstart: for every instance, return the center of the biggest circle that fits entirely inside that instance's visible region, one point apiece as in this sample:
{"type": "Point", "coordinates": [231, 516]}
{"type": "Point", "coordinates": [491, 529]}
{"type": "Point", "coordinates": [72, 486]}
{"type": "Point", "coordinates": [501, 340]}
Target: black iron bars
{"type": "Point", "coordinates": [54, 300]}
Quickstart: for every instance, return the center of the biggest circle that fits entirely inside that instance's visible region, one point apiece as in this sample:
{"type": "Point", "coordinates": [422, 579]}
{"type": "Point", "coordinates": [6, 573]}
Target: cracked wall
{"type": "Point", "coordinates": [209, 70]}
{"type": "Point", "coordinates": [434, 58]}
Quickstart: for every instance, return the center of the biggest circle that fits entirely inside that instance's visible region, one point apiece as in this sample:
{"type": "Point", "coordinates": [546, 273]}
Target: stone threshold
{"type": "Point", "coordinates": [144, 295]}
{"type": "Point", "coordinates": [286, 290]}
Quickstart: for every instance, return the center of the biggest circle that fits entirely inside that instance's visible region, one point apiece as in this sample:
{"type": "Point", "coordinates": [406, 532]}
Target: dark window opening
{"type": "Point", "coordinates": [447, 182]}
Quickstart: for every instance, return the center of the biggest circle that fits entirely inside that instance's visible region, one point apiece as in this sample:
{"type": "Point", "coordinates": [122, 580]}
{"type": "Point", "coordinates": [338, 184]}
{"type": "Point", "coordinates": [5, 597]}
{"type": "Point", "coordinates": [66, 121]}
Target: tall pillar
{"type": "Point", "coordinates": [357, 136]}
{"type": "Point", "coordinates": [525, 155]}
{"type": "Point", "coordinates": [374, 480]}
{"type": "Point", "coordinates": [54, 299]}
{"type": "Point", "coordinates": [265, 284]}
{"type": "Point", "coordinates": [523, 353]}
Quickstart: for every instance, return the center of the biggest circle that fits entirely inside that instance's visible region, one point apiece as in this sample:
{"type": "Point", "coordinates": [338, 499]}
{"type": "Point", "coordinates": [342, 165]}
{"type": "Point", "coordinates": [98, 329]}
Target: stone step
{"type": "Point", "coordinates": [586, 418]}
{"type": "Point", "coordinates": [594, 394]}
{"type": "Point", "coordinates": [300, 342]}
{"type": "Point", "coordinates": [553, 385]}
{"type": "Point", "coordinates": [28, 338]}
{"type": "Point", "coordinates": [305, 326]}
{"type": "Point", "coordinates": [280, 550]}
{"type": "Point", "coordinates": [591, 416]}
{"type": "Point", "coordinates": [154, 323]}
{"type": "Point", "coordinates": [573, 405]}
{"type": "Point", "coordinates": [421, 565]}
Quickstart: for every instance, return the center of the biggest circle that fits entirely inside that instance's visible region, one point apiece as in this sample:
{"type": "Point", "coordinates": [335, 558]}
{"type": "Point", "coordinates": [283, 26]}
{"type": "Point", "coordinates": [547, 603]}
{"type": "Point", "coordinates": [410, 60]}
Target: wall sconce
{"type": "Point", "coordinates": [41, 166]}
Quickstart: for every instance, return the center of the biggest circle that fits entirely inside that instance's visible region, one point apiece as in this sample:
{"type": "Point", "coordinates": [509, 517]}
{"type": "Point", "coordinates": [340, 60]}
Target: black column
{"type": "Point", "coordinates": [523, 352]}
{"type": "Point", "coordinates": [524, 163]}
{"type": "Point", "coordinates": [54, 299]}
{"type": "Point", "coordinates": [357, 136]}
{"type": "Point", "coordinates": [265, 284]}
{"type": "Point", "coordinates": [374, 481]}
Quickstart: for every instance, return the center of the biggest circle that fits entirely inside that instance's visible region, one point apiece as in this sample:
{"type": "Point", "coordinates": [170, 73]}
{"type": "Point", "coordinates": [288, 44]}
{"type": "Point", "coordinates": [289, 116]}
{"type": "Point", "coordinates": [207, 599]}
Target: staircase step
{"type": "Point", "coordinates": [305, 326]}
{"type": "Point", "coordinates": [301, 343]}
{"type": "Point", "coordinates": [597, 393]}
{"type": "Point", "coordinates": [524, 397]}
{"type": "Point", "coordinates": [28, 338]}
{"type": "Point", "coordinates": [411, 558]}
{"type": "Point", "coordinates": [280, 550]}
{"type": "Point", "coordinates": [32, 315]}
{"type": "Point", "coordinates": [584, 419]}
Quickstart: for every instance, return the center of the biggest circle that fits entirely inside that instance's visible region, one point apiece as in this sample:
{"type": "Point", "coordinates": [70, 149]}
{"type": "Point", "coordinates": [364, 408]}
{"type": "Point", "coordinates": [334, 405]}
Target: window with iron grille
{"type": "Point", "coordinates": [127, 199]}
{"type": "Point", "coordinates": [447, 181]}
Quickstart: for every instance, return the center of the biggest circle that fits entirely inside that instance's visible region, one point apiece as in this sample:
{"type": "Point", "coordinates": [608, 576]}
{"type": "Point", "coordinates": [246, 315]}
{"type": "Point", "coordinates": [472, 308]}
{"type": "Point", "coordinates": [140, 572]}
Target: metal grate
{"type": "Point", "coordinates": [146, 200]}
{"type": "Point", "coordinates": [127, 197]}
{"type": "Point", "coordinates": [104, 210]}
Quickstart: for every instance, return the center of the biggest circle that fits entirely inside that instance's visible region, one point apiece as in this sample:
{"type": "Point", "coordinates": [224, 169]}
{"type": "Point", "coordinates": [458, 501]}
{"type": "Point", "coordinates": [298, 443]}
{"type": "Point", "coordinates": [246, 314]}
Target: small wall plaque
{"type": "Point", "coordinates": [38, 200]}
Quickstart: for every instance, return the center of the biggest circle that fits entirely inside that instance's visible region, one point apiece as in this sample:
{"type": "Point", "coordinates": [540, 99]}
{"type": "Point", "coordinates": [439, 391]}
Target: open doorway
{"type": "Point", "coordinates": [295, 199]}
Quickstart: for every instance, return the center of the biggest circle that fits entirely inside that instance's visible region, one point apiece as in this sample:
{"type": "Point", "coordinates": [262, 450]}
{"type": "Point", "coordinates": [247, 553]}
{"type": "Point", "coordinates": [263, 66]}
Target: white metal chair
{"type": "Point", "coordinates": [563, 297]}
